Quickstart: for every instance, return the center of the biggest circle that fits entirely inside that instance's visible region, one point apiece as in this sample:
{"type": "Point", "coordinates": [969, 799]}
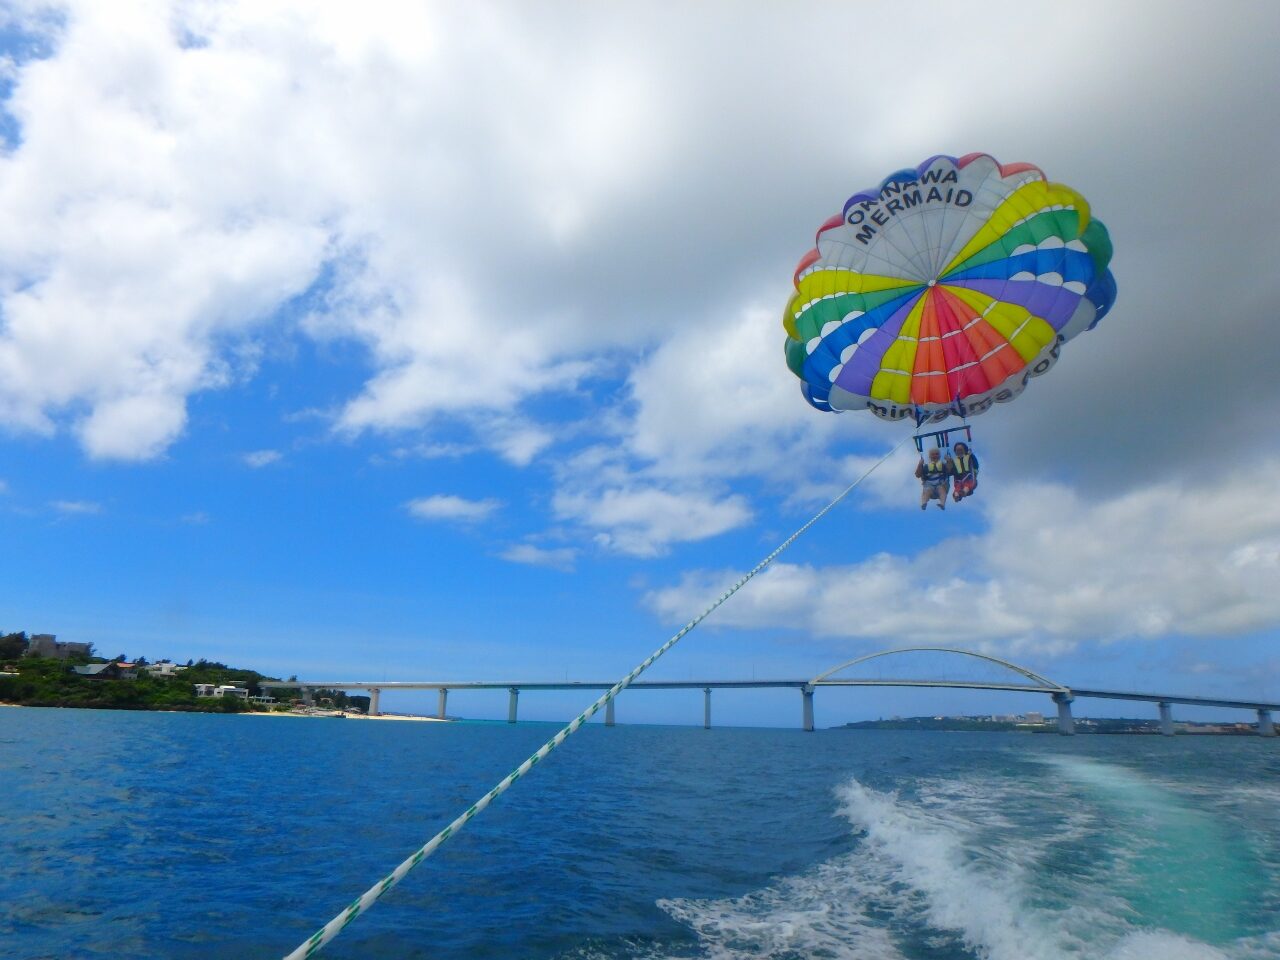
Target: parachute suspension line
{"type": "Point", "coordinates": [374, 893]}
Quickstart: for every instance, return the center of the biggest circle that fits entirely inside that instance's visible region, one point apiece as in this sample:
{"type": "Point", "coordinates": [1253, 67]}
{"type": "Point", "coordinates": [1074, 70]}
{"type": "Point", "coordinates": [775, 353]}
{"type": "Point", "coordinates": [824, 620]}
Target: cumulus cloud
{"type": "Point", "coordinates": [518, 442]}
{"type": "Point", "coordinates": [715, 400]}
{"type": "Point", "coordinates": [706, 407]}
{"type": "Point", "coordinates": [444, 506]}
{"type": "Point", "coordinates": [76, 507]}
{"type": "Point", "coordinates": [130, 251]}
{"type": "Point", "coordinates": [557, 558]}
{"type": "Point", "coordinates": [619, 200]}
{"type": "Point", "coordinates": [644, 521]}
{"type": "Point", "coordinates": [1052, 570]}
{"type": "Point", "coordinates": [261, 458]}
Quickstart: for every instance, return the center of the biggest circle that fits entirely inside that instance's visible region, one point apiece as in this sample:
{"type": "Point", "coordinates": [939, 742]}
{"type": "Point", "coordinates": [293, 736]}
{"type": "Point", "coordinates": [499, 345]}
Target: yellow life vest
{"type": "Point", "coordinates": [940, 466]}
{"type": "Point", "coordinates": [961, 464]}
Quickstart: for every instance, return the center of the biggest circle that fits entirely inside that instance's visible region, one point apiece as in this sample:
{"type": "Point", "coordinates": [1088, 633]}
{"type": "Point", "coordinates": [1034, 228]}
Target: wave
{"type": "Point", "coordinates": [993, 869]}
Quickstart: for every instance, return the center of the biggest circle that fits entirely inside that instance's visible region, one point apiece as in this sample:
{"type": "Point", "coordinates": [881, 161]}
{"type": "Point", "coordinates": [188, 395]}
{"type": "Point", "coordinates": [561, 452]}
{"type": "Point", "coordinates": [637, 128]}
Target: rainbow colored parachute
{"type": "Point", "coordinates": [945, 290]}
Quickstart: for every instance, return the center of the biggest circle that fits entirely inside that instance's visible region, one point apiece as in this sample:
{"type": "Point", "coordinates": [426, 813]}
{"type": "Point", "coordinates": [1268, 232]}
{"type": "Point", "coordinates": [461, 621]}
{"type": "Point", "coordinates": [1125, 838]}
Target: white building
{"type": "Point", "coordinates": [165, 668]}
{"type": "Point", "coordinates": [221, 690]}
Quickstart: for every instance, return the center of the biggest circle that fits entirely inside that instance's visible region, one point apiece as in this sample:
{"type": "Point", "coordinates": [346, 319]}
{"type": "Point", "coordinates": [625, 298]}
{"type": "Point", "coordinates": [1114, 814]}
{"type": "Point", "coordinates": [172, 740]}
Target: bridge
{"type": "Point", "coordinates": [1010, 678]}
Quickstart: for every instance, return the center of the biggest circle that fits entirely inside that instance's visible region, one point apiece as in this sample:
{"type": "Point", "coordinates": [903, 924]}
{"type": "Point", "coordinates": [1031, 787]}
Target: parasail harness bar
{"type": "Point", "coordinates": [371, 896]}
{"type": "Point", "coordinates": [943, 437]}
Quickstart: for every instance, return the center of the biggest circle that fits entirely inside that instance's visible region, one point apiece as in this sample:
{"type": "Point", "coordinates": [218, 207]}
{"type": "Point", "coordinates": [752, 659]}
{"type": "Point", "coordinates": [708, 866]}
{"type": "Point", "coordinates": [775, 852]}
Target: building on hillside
{"type": "Point", "coordinates": [127, 671]}
{"type": "Point", "coordinates": [165, 668]}
{"type": "Point", "coordinates": [107, 671]}
{"type": "Point", "coordinates": [221, 690]}
{"type": "Point", "coordinates": [47, 645]}
{"type": "Point", "coordinates": [1034, 716]}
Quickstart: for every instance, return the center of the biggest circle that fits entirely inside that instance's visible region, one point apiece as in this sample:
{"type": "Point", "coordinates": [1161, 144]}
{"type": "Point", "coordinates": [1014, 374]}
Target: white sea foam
{"type": "Point", "coordinates": [980, 898]}
{"type": "Point", "coordinates": [821, 913]}
{"type": "Point", "coordinates": [954, 867]}
{"type": "Point", "coordinates": [1163, 946]}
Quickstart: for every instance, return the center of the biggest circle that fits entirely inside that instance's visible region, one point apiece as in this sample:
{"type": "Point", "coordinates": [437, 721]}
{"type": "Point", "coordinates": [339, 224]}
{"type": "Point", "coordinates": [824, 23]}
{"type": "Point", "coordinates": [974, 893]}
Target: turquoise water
{"type": "Point", "coordinates": [173, 835]}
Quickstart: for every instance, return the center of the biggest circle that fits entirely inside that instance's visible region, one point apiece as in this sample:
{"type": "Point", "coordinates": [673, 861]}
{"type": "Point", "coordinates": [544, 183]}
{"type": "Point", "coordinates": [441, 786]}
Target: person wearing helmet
{"type": "Point", "coordinates": [964, 467]}
{"type": "Point", "coordinates": [935, 478]}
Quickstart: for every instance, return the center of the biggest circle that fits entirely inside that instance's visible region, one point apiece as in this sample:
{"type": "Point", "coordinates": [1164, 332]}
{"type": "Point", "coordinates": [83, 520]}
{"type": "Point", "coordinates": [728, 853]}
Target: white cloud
{"type": "Point", "coordinates": [131, 250]}
{"type": "Point", "coordinates": [261, 458]}
{"type": "Point", "coordinates": [197, 519]}
{"type": "Point", "coordinates": [81, 507]}
{"type": "Point", "coordinates": [518, 444]}
{"type": "Point", "coordinates": [494, 207]}
{"type": "Point", "coordinates": [432, 451]}
{"type": "Point", "coordinates": [213, 179]}
{"type": "Point", "coordinates": [707, 405]}
{"type": "Point", "coordinates": [645, 521]}
{"type": "Point", "coordinates": [557, 558]}
{"type": "Point", "coordinates": [715, 399]}
{"type": "Point", "coordinates": [1052, 570]}
{"type": "Point", "coordinates": [443, 506]}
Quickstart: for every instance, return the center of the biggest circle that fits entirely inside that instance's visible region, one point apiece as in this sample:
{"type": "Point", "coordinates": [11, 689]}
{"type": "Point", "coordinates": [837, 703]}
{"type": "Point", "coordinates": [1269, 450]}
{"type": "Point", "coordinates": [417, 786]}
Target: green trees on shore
{"type": "Point", "coordinates": [47, 682]}
{"type": "Point", "coordinates": [12, 645]}
{"type": "Point", "coordinates": [52, 682]}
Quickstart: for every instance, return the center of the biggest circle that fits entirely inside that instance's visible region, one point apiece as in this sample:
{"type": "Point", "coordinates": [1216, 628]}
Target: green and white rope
{"type": "Point", "coordinates": [374, 893]}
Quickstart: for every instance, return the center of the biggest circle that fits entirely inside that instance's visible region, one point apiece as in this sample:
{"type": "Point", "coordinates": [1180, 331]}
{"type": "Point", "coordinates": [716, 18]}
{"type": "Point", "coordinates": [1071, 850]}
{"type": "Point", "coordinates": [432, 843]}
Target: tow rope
{"type": "Point", "coordinates": [371, 896]}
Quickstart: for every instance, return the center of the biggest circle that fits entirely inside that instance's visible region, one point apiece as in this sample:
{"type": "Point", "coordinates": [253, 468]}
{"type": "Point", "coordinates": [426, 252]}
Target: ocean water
{"type": "Point", "coordinates": [174, 835]}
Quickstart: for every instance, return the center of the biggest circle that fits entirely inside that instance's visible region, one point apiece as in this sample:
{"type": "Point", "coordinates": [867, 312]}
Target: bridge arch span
{"type": "Point", "coordinates": [1038, 683]}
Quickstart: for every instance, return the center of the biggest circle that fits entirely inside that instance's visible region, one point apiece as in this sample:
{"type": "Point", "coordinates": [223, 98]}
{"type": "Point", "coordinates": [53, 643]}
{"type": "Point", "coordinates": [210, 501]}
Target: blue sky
{"type": "Point", "coordinates": [449, 347]}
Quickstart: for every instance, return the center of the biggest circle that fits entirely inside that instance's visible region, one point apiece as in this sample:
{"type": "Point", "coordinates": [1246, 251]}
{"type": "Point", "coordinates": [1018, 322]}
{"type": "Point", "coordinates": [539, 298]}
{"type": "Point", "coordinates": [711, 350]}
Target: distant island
{"type": "Point", "coordinates": [40, 671]}
{"type": "Point", "coordinates": [1036, 723]}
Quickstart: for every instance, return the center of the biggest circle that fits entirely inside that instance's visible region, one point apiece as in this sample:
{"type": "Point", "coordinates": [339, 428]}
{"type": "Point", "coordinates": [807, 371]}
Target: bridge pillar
{"type": "Point", "coordinates": [706, 708]}
{"type": "Point", "coordinates": [306, 696]}
{"type": "Point", "coordinates": [443, 702]}
{"type": "Point", "coordinates": [1265, 727]}
{"type": "Point", "coordinates": [807, 693]}
{"type": "Point", "coordinates": [1166, 719]}
{"type": "Point", "coordinates": [1066, 724]}
{"type": "Point", "coordinates": [608, 712]}
{"type": "Point", "coordinates": [374, 693]}
{"type": "Point", "coordinates": [511, 704]}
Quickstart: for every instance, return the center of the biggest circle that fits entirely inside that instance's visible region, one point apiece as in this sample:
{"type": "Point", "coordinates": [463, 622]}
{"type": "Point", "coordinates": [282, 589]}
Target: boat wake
{"type": "Point", "coordinates": [1076, 866]}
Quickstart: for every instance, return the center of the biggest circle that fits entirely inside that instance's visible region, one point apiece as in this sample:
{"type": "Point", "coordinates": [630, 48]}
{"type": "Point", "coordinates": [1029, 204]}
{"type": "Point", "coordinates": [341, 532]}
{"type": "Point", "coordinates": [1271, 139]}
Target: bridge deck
{"type": "Point", "coordinates": [525, 685]}
{"type": "Point", "coordinates": [1165, 698]}
{"type": "Point", "coordinates": [1084, 692]}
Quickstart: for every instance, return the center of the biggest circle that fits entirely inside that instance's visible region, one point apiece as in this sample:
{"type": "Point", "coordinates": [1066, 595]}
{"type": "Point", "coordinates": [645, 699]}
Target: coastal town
{"type": "Point", "coordinates": [40, 670]}
{"type": "Point", "coordinates": [1033, 722]}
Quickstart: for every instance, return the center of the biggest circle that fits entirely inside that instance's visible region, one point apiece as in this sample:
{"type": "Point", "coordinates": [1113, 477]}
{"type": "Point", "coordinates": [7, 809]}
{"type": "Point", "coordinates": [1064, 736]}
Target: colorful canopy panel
{"type": "Point", "coordinates": [945, 290]}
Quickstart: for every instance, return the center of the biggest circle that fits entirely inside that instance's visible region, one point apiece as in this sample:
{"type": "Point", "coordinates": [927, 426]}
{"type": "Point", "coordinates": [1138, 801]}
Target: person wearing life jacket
{"type": "Point", "coordinates": [935, 477]}
{"type": "Point", "coordinates": [964, 467]}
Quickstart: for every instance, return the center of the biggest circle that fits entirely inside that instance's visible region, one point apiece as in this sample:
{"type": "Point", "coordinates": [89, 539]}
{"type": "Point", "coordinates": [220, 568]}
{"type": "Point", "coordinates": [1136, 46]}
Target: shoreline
{"type": "Point", "coordinates": [347, 716]}
{"type": "Point", "coordinates": [241, 713]}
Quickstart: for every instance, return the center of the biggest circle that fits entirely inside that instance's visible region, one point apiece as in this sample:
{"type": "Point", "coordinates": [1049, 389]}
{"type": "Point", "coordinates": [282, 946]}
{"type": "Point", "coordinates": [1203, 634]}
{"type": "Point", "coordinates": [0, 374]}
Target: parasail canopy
{"type": "Point", "coordinates": [945, 289]}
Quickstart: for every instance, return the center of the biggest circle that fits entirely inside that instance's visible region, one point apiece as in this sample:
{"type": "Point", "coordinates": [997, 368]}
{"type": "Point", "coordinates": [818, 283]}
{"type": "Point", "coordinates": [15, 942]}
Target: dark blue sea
{"type": "Point", "coordinates": [156, 835]}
